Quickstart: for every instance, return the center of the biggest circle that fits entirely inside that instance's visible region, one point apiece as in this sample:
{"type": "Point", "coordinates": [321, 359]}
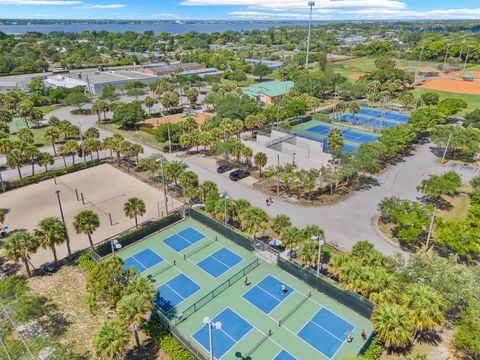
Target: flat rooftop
{"type": "Point", "coordinates": [101, 77]}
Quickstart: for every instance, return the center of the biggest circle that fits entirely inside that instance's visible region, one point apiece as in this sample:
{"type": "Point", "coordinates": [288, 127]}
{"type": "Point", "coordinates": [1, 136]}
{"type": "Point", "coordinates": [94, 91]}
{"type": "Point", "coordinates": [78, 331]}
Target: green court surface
{"type": "Point", "coordinates": [312, 325]}
{"type": "Point", "coordinates": [18, 124]}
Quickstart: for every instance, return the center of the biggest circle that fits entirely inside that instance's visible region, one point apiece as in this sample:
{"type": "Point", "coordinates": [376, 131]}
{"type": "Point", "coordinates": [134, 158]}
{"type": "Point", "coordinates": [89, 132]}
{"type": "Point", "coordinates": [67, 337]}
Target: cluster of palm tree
{"type": "Point", "coordinates": [17, 102]}
{"type": "Point", "coordinates": [51, 232]}
{"type": "Point", "coordinates": [404, 310]}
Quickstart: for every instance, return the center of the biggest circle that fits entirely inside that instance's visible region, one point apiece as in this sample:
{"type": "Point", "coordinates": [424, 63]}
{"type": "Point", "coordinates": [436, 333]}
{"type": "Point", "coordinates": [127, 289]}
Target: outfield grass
{"type": "Point", "coordinates": [473, 101]}
{"type": "Point", "coordinates": [360, 65]}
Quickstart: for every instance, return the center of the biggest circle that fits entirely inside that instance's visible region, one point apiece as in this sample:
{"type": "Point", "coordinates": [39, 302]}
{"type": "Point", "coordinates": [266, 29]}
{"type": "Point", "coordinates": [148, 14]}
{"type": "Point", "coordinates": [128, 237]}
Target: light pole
{"type": "Point", "coordinates": [278, 174]}
{"type": "Point", "coordinates": [83, 145]}
{"type": "Point", "coordinates": [225, 196]}
{"type": "Point", "coordinates": [57, 192]}
{"type": "Point", "coordinates": [211, 325]}
{"type": "Point", "coordinates": [115, 245]}
{"type": "Point", "coordinates": [321, 242]}
{"type": "Point", "coordinates": [169, 140]}
{"type": "Point", "coordinates": [2, 183]}
{"type": "Point", "coordinates": [161, 162]}
{"type": "Point", "coordinates": [469, 47]}
{"type": "Point", "coordinates": [446, 55]}
{"type": "Point", "coordinates": [311, 4]}
{"type": "Point", "coordinates": [54, 175]}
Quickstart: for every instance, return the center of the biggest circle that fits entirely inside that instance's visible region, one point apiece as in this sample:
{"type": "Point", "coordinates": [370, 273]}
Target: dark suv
{"type": "Point", "coordinates": [224, 168]}
{"type": "Point", "coordinates": [239, 174]}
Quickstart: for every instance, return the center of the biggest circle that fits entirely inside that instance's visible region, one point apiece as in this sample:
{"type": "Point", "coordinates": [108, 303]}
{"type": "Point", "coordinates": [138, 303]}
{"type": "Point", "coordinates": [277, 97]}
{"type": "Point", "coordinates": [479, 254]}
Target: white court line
{"type": "Point", "coordinates": [146, 268]}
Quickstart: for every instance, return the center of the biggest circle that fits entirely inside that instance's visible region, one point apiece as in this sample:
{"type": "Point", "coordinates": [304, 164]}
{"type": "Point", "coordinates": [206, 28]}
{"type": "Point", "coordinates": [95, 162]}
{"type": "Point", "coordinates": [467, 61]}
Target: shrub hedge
{"type": "Point", "coordinates": [165, 341]}
{"type": "Point", "coordinates": [13, 184]}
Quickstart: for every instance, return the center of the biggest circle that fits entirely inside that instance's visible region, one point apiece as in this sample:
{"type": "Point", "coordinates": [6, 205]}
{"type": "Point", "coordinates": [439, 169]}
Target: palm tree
{"type": "Point", "coordinates": [427, 306]}
{"type": "Point", "coordinates": [188, 179]}
{"type": "Point", "coordinates": [32, 154]}
{"type": "Point", "coordinates": [137, 149]}
{"type": "Point", "coordinates": [20, 246]}
{"type": "Point", "coordinates": [133, 208]}
{"type": "Point", "coordinates": [247, 154]}
{"type": "Point", "coordinates": [393, 324]}
{"type": "Point", "coordinates": [110, 340]}
{"type": "Point", "coordinates": [149, 103]}
{"type": "Point", "coordinates": [254, 220]}
{"type": "Point", "coordinates": [205, 139]}
{"type": "Point", "coordinates": [206, 188]}
{"type": "Point", "coordinates": [86, 222]}
{"type": "Point", "coordinates": [279, 223]}
{"type": "Point", "coordinates": [46, 159]}
{"type": "Point", "coordinates": [308, 253]}
{"type": "Point", "coordinates": [2, 216]}
{"type": "Point", "coordinates": [91, 133]}
{"type": "Point", "coordinates": [52, 134]}
{"type": "Point", "coordinates": [51, 231]}
{"type": "Point", "coordinates": [26, 136]}
{"type": "Point", "coordinates": [260, 159]}
{"type": "Point", "coordinates": [291, 237]}
{"type": "Point", "coordinates": [173, 169]}
{"type": "Point", "coordinates": [71, 147]}
{"type": "Point", "coordinates": [335, 142]}
{"type": "Point", "coordinates": [15, 159]}
{"type": "Point", "coordinates": [133, 310]}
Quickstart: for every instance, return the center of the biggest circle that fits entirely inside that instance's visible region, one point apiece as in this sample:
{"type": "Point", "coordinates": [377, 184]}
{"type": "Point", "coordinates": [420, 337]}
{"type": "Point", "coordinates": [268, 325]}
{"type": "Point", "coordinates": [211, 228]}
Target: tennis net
{"type": "Point", "coordinates": [162, 268]}
{"type": "Point", "coordinates": [294, 309]}
{"type": "Point", "coordinates": [263, 338]}
{"type": "Point", "coordinates": [203, 244]}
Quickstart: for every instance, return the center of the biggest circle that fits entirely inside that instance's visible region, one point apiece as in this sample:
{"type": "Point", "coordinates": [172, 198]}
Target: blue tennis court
{"type": "Point", "coordinates": [142, 261]}
{"type": "Point", "coordinates": [232, 330]}
{"type": "Point", "coordinates": [387, 114]}
{"type": "Point", "coordinates": [376, 123]}
{"type": "Point", "coordinates": [184, 239]}
{"type": "Point", "coordinates": [326, 332]}
{"type": "Point", "coordinates": [348, 134]}
{"type": "Point", "coordinates": [267, 294]}
{"type": "Point", "coordinates": [219, 262]}
{"type": "Point", "coordinates": [173, 292]}
{"type": "Point", "coordinates": [284, 355]}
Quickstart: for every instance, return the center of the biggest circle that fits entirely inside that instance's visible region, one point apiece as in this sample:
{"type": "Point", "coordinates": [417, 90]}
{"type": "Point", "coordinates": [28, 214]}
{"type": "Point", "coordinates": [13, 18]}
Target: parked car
{"type": "Point", "coordinates": [224, 168]}
{"type": "Point", "coordinates": [239, 174]}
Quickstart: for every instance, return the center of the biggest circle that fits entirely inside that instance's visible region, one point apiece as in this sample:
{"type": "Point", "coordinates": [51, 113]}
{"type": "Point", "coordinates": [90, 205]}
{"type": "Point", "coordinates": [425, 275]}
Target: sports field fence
{"type": "Point", "coordinates": [353, 301]}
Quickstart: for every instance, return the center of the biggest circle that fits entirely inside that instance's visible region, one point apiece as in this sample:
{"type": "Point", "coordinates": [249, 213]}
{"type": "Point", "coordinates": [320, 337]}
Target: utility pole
{"type": "Point", "coordinates": [446, 148]}
{"type": "Point", "coordinates": [161, 161]}
{"type": "Point", "coordinates": [430, 228]}
{"type": "Point", "coordinates": [57, 192]}
{"type": "Point", "coordinates": [278, 174]}
{"type": "Point", "coordinates": [311, 4]}
{"type": "Point", "coordinates": [1, 182]}
{"type": "Point", "coordinates": [446, 56]}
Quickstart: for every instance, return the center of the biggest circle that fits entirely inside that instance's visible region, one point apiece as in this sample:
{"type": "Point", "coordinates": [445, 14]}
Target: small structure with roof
{"type": "Point", "coordinates": [268, 92]}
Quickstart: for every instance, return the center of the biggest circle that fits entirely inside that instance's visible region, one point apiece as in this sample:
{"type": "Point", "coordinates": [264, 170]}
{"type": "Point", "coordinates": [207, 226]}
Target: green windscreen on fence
{"type": "Point", "coordinates": [220, 227]}
{"type": "Point", "coordinates": [352, 300]}
{"type": "Point", "coordinates": [130, 236]}
{"type": "Point", "coordinates": [215, 292]}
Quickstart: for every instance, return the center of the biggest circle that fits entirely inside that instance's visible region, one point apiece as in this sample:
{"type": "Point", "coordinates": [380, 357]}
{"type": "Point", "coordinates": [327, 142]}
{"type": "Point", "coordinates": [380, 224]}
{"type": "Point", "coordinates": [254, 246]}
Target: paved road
{"type": "Point", "coordinates": [345, 223]}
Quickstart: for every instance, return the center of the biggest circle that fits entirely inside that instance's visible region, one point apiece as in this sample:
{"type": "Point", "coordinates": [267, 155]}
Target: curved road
{"type": "Point", "coordinates": [344, 223]}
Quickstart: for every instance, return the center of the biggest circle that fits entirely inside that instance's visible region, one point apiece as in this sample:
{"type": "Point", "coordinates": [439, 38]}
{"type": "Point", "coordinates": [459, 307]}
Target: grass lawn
{"type": "Point", "coordinates": [473, 101]}
{"type": "Point", "coordinates": [274, 75]}
{"type": "Point", "coordinates": [137, 135]}
{"type": "Point", "coordinates": [48, 108]}
{"type": "Point", "coordinates": [39, 137]}
{"type": "Point", "coordinates": [460, 204]}
{"type": "Point", "coordinates": [360, 65]}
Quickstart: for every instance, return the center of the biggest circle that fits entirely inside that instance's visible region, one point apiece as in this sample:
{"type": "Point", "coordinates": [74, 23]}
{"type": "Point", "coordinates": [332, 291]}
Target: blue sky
{"type": "Point", "coordinates": [241, 9]}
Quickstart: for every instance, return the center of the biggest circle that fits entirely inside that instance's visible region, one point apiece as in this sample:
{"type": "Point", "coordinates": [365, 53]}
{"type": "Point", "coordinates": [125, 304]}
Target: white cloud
{"type": "Point", "coordinates": [99, 6]}
{"type": "Point", "coordinates": [166, 16]}
{"type": "Point", "coordinates": [39, 2]}
{"type": "Point", "coordinates": [257, 15]}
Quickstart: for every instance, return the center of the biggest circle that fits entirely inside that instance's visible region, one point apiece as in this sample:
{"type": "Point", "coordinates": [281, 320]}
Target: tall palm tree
{"type": "Point", "coordinates": [205, 139]}
{"type": "Point", "coordinates": [292, 237]}
{"type": "Point", "coordinates": [133, 208]}
{"type": "Point", "coordinates": [427, 306]}
{"type": "Point", "coordinates": [110, 340]}
{"type": "Point", "coordinates": [137, 149]}
{"type": "Point", "coordinates": [51, 231]}
{"type": "Point", "coordinates": [32, 154]}
{"type": "Point", "coordinates": [86, 222]}
{"type": "Point", "coordinates": [20, 246]}
{"type": "Point", "coordinates": [52, 134]}
{"type": "Point", "coordinates": [254, 220]}
{"type": "Point", "coordinates": [26, 136]}
{"type": "Point", "coordinates": [15, 159]}
{"type": "Point", "coordinates": [335, 142]}
{"type": "Point", "coordinates": [133, 310]}
{"type": "Point", "coordinates": [393, 325]}
{"type": "Point", "coordinates": [173, 169]}
{"type": "Point", "coordinates": [260, 159]}
{"type": "Point", "coordinates": [91, 133]}
{"type": "Point", "coordinates": [247, 154]}
{"type": "Point", "coordinates": [2, 216]}
{"type": "Point", "coordinates": [308, 253]}
{"type": "Point", "coordinates": [206, 188]}
{"type": "Point", "coordinates": [46, 159]}
{"type": "Point", "coordinates": [279, 223]}
{"type": "Point", "coordinates": [72, 148]}
{"type": "Point", "coordinates": [188, 179]}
